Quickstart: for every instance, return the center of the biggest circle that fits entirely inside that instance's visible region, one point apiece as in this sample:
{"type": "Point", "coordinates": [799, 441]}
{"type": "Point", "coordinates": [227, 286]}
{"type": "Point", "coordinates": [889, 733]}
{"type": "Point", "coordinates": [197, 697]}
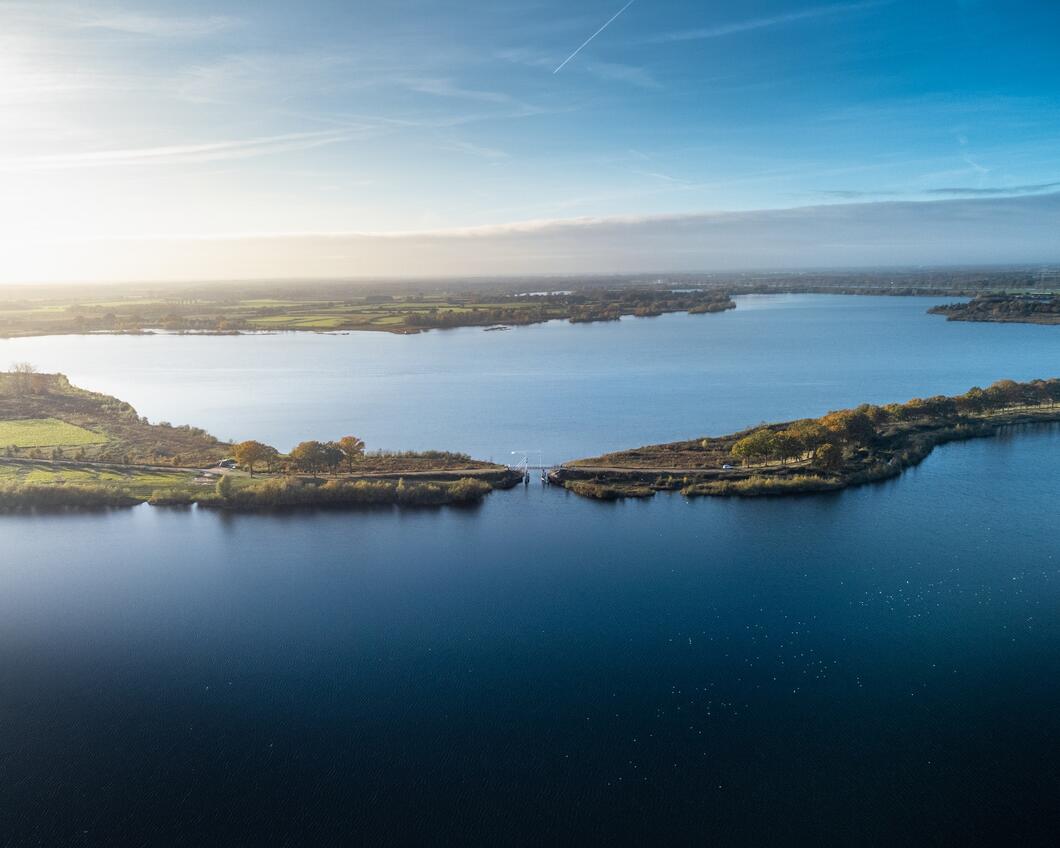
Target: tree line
{"type": "Point", "coordinates": [827, 439]}
{"type": "Point", "coordinates": [311, 456]}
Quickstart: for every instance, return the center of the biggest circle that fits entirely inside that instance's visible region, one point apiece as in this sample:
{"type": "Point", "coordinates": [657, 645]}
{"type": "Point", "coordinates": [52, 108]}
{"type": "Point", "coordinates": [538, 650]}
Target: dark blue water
{"type": "Point", "coordinates": [566, 390]}
{"type": "Point", "coordinates": [880, 666]}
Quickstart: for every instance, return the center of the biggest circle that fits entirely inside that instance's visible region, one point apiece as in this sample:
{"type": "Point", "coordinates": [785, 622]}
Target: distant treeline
{"type": "Point", "coordinates": [405, 306]}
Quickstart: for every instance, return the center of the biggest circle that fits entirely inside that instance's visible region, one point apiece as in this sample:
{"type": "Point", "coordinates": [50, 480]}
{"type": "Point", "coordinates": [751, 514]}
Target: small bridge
{"type": "Point", "coordinates": [530, 460]}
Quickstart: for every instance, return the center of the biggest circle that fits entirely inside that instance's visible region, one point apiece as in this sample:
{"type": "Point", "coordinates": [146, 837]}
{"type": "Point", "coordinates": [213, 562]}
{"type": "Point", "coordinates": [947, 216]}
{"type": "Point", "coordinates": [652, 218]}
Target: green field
{"type": "Point", "coordinates": [136, 482]}
{"type": "Point", "coordinates": [46, 433]}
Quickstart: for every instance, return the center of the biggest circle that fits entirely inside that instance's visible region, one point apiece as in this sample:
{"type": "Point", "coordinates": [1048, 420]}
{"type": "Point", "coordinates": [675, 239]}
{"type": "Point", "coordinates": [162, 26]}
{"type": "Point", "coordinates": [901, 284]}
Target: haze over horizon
{"type": "Point", "coordinates": [142, 140]}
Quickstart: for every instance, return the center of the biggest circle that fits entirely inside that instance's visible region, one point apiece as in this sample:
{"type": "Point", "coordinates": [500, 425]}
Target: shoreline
{"type": "Point", "coordinates": [121, 460]}
{"type": "Point", "coordinates": [892, 447]}
{"type": "Point", "coordinates": [270, 493]}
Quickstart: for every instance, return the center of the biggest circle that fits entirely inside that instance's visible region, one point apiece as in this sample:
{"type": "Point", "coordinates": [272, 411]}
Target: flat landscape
{"type": "Point", "coordinates": [334, 308]}
{"type": "Point", "coordinates": [417, 306]}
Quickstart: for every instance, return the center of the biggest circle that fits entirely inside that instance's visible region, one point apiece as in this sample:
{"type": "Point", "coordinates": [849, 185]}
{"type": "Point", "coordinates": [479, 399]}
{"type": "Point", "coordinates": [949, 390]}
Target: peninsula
{"type": "Point", "coordinates": [843, 448]}
{"type": "Point", "coordinates": [1008, 309]}
{"type": "Point", "coordinates": [64, 447]}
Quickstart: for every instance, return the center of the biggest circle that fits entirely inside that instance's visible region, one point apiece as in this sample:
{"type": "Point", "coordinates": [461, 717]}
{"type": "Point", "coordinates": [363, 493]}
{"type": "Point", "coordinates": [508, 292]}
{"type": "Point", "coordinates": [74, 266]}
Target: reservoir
{"type": "Point", "coordinates": [875, 666]}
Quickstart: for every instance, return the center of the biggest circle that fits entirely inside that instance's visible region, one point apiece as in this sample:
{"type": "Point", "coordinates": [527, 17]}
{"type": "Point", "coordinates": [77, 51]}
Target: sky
{"type": "Point", "coordinates": [146, 140]}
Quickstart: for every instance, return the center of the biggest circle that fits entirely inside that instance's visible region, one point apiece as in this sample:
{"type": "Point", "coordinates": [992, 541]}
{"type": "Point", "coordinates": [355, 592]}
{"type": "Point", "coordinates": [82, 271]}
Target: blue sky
{"type": "Point", "coordinates": [157, 124]}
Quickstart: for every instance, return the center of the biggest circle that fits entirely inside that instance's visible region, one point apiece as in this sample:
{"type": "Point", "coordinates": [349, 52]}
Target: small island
{"type": "Point", "coordinates": [844, 448]}
{"type": "Point", "coordinates": [1006, 309]}
{"type": "Point", "coordinates": [63, 447]}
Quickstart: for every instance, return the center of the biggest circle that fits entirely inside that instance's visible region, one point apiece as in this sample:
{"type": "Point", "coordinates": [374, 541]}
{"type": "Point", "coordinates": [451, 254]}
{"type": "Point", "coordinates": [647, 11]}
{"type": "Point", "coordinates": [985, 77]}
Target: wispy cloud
{"type": "Point", "coordinates": [1033, 188]}
{"type": "Point", "coordinates": [160, 26]}
{"type": "Point", "coordinates": [526, 56]}
{"type": "Point", "coordinates": [180, 153]}
{"type": "Point", "coordinates": [666, 178]}
{"type": "Point", "coordinates": [441, 87]}
{"type": "Point", "coordinates": [982, 170]}
{"type": "Point", "coordinates": [479, 150]}
{"type": "Point", "coordinates": [953, 191]}
{"type": "Point", "coordinates": [630, 74]}
{"type": "Point", "coordinates": [748, 24]}
{"type": "Point", "coordinates": [114, 19]}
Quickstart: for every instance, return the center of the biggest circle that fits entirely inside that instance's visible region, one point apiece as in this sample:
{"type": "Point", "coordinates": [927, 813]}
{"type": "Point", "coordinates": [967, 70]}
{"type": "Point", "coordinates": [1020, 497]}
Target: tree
{"type": "Point", "coordinates": [828, 456]}
{"type": "Point", "coordinates": [1052, 391]}
{"type": "Point", "coordinates": [972, 401]}
{"type": "Point", "coordinates": [786, 445]}
{"type": "Point", "coordinates": [851, 426]}
{"type": "Point", "coordinates": [353, 449]}
{"type": "Point", "coordinates": [332, 456]}
{"type": "Point", "coordinates": [224, 487]}
{"type": "Point", "coordinates": [805, 436]}
{"type": "Point", "coordinates": [759, 445]}
{"type": "Point", "coordinates": [250, 453]}
{"type": "Point", "coordinates": [1004, 393]}
{"type": "Point", "coordinates": [25, 374]}
{"type": "Point", "coordinates": [308, 456]}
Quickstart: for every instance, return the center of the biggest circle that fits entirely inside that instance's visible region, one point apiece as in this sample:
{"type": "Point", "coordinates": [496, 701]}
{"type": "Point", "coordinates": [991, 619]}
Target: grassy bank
{"type": "Point", "coordinates": [265, 494]}
{"type": "Point", "coordinates": [65, 448]}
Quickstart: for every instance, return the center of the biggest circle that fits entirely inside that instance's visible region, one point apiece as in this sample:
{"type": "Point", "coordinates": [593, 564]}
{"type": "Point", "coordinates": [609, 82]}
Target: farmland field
{"type": "Point", "coordinates": [46, 433]}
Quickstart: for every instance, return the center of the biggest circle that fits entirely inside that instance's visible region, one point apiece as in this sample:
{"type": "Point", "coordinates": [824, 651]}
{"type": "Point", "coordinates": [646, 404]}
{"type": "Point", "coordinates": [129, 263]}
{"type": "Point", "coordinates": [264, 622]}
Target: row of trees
{"type": "Point", "coordinates": [825, 439]}
{"type": "Point", "coordinates": [311, 456]}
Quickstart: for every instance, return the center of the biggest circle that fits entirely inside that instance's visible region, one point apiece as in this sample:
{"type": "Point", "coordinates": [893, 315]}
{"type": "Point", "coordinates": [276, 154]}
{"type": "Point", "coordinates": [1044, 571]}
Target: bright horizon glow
{"type": "Point", "coordinates": [144, 140]}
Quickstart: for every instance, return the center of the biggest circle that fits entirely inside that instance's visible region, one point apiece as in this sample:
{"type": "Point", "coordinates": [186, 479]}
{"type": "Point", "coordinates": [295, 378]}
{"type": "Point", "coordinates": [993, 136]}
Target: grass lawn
{"type": "Point", "coordinates": [138, 481]}
{"type": "Point", "coordinates": [46, 433]}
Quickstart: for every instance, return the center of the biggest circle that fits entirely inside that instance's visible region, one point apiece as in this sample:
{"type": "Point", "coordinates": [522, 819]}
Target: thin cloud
{"type": "Point", "coordinates": [159, 26]}
{"type": "Point", "coordinates": [76, 16]}
{"type": "Point", "coordinates": [179, 153]}
{"type": "Point", "coordinates": [447, 88]}
{"type": "Point", "coordinates": [954, 191]}
{"type": "Point", "coordinates": [614, 72]}
{"type": "Point", "coordinates": [478, 150]}
{"type": "Point", "coordinates": [1033, 188]}
{"type": "Point", "coordinates": [749, 24]}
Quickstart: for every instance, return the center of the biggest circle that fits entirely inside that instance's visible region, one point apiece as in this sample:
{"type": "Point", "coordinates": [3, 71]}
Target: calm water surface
{"type": "Point", "coordinates": [877, 667]}
{"type": "Point", "coordinates": [567, 390]}
{"type": "Point", "coordinates": [880, 666]}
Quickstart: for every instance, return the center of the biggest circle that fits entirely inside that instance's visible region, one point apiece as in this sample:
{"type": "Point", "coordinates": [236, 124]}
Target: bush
{"type": "Point", "coordinates": [292, 492]}
{"type": "Point", "coordinates": [18, 498]}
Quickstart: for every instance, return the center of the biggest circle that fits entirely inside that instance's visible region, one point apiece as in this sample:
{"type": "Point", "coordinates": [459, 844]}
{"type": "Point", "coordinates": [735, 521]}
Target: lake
{"type": "Point", "coordinates": [876, 666]}
{"type": "Point", "coordinates": [565, 390]}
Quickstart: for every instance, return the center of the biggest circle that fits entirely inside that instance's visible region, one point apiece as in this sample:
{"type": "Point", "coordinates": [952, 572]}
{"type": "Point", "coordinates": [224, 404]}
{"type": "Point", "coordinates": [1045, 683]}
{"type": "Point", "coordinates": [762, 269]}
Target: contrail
{"type": "Point", "coordinates": [591, 37]}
